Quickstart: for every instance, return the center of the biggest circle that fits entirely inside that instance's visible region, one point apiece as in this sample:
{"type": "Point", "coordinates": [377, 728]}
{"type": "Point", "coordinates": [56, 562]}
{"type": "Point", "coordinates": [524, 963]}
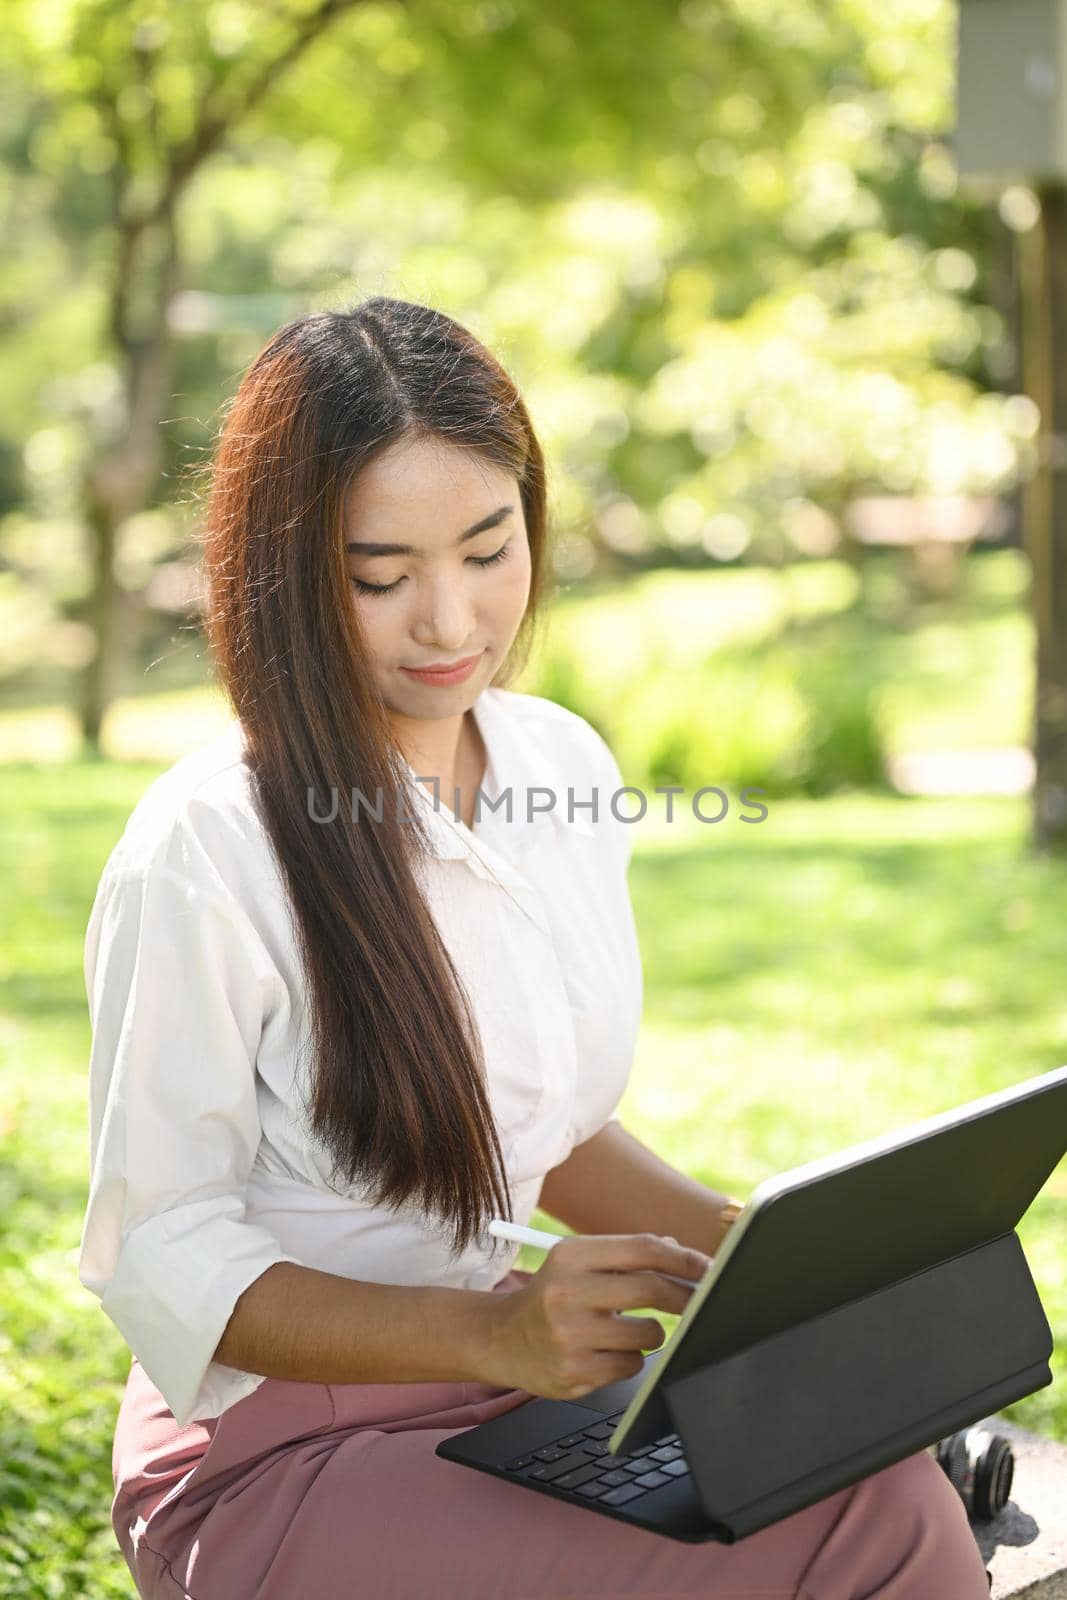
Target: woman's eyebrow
{"type": "Point", "coordinates": [365, 548]}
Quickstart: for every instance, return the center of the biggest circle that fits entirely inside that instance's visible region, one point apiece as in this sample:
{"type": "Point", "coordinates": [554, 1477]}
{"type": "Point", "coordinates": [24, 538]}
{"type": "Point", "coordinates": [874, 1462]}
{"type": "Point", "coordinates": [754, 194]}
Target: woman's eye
{"type": "Point", "coordinates": [373, 588]}
{"type": "Point", "coordinates": [387, 588]}
{"type": "Point", "coordinates": [488, 561]}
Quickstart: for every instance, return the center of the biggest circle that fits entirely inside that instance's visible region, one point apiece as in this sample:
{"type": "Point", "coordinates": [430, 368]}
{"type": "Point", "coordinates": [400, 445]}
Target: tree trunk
{"type": "Point", "coordinates": [1044, 322]}
{"type": "Point", "coordinates": [124, 477]}
{"type": "Point", "coordinates": [126, 468]}
{"type": "Point", "coordinates": [97, 686]}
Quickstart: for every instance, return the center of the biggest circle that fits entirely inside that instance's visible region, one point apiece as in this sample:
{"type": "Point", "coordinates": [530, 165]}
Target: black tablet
{"type": "Point", "coordinates": [835, 1230]}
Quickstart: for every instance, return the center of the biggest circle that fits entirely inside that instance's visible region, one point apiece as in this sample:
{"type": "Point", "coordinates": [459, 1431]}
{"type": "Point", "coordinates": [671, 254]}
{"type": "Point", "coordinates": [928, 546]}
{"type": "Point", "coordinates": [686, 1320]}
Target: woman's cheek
{"type": "Point", "coordinates": [515, 591]}
{"type": "Point", "coordinates": [377, 628]}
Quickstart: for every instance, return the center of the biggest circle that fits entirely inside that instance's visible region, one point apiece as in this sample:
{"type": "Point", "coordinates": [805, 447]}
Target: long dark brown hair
{"type": "Point", "coordinates": [399, 1097]}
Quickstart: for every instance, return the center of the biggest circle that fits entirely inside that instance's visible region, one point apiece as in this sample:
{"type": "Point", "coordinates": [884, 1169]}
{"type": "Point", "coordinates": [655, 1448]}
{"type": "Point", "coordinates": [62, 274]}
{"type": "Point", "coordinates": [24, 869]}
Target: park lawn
{"type": "Point", "coordinates": [847, 966]}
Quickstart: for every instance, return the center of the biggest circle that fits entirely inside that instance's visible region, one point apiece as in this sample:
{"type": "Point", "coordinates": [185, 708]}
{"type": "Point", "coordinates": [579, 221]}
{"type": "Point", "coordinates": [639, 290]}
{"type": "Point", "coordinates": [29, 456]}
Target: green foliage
{"type": "Point", "coordinates": [741, 721]}
{"type": "Point", "coordinates": [752, 677]}
{"type": "Point", "coordinates": [733, 275]}
{"type": "Point", "coordinates": [844, 744]}
{"type": "Point", "coordinates": [798, 680]}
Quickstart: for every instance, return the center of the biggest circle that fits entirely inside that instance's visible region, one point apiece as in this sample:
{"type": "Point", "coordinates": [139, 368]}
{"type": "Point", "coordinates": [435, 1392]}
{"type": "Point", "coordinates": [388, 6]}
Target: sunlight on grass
{"type": "Point", "coordinates": [150, 728]}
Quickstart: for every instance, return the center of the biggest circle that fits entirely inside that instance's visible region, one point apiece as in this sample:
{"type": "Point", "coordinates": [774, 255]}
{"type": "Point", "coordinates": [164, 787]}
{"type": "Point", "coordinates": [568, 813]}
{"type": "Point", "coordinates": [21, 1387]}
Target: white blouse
{"type": "Point", "coordinates": [203, 1172]}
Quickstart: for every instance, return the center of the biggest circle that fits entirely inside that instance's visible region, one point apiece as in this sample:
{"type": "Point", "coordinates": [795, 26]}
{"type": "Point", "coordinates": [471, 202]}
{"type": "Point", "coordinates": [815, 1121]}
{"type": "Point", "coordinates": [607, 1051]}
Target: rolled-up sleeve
{"type": "Point", "coordinates": [178, 994]}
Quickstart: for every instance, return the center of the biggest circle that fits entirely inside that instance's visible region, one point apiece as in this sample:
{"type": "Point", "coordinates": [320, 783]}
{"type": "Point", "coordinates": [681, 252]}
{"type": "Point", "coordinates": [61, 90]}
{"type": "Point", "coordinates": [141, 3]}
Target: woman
{"type": "Point", "coordinates": [339, 1022]}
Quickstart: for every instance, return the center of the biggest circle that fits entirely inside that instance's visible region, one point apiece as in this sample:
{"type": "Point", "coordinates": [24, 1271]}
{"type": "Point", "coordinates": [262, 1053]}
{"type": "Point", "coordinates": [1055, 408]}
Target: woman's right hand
{"type": "Point", "coordinates": [562, 1335]}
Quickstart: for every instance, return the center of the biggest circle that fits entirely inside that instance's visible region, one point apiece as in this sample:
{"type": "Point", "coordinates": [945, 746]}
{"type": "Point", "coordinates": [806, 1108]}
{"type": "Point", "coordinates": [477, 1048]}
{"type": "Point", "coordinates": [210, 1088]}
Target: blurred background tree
{"type": "Point", "coordinates": [720, 246]}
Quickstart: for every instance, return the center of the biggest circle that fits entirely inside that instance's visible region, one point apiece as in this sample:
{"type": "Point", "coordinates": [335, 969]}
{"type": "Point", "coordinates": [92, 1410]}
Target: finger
{"type": "Point", "coordinates": [628, 1252]}
{"type": "Point", "coordinates": [628, 1333]}
{"type": "Point", "coordinates": [628, 1291]}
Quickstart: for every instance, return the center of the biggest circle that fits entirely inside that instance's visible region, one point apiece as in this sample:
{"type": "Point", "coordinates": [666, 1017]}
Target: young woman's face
{"type": "Point", "coordinates": [450, 593]}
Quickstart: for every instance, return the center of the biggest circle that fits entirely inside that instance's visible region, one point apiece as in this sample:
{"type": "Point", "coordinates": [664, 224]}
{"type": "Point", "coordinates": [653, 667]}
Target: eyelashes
{"type": "Point", "coordinates": [387, 588]}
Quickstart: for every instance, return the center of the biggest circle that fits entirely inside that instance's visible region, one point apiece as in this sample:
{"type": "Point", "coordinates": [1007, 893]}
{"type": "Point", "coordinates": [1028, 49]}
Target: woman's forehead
{"type": "Point", "coordinates": [447, 490]}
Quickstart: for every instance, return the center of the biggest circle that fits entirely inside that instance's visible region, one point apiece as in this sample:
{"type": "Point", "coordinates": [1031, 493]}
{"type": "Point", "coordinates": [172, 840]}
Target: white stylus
{"type": "Point", "coordinates": [545, 1241]}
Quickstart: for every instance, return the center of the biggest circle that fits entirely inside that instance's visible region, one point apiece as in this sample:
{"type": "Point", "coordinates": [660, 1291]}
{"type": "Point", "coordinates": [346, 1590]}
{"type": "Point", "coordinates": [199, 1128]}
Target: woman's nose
{"type": "Point", "coordinates": [445, 616]}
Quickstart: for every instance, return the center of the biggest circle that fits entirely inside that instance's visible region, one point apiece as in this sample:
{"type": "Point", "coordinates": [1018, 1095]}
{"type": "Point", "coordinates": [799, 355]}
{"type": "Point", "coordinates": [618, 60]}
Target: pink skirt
{"type": "Point", "coordinates": [326, 1491]}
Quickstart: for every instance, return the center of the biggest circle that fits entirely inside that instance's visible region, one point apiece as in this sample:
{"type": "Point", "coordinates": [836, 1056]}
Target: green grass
{"type": "Point", "coordinates": [849, 965]}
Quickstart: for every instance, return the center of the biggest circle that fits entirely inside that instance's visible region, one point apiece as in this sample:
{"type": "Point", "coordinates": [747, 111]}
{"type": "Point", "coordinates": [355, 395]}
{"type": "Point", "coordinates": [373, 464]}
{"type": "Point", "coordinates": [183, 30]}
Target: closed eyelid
{"type": "Point", "coordinates": [376, 548]}
{"type": "Point", "coordinates": [485, 562]}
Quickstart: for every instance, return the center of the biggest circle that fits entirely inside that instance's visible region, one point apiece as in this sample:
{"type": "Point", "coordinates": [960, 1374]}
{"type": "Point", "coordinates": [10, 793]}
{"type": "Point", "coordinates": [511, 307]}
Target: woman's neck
{"type": "Point", "coordinates": [454, 754]}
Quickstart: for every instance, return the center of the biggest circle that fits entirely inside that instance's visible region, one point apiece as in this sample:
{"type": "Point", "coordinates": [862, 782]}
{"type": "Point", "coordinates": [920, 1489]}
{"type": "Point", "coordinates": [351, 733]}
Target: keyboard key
{"type": "Point", "coordinates": [580, 1475]}
{"type": "Point", "coordinates": [615, 1478]}
{"type": "Point", "coordinates": [669, 1452]}
{"type": "Point", "coordinates": [600, 1430]}
{"type": "Point", "coordinates": [595, 1447]}
{"type": "Point", "coordinates": [677, 1469]}
{"type": "Point", "coordinates": [571, 1461]}
{"type": "Point", "coordinates": [571, 1439]}
{"type": "Point", "coordinates": [520, 1461]}
{"type": "Point", "coordinates": [652, 1480]}
{"type": "Point", "coordinates": [550, 1452]}
{"type": "Point", "coordinates": [592, 1490]}
{"type": "Point", "coordinates": [619, 1497]}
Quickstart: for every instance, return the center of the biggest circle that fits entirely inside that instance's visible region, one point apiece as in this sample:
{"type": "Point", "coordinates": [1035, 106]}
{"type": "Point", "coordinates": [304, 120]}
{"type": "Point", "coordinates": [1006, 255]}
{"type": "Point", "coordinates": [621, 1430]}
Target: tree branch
{"type": "Point", "coordinates": [218, 117]}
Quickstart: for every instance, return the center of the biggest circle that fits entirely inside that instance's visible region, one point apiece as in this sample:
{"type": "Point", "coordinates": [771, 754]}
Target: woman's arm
{"type": "Point", "coordinates": [615, 1184]}
{"type": "Point", "coordinates": [296, 1322]}
{"type": "Point", "coordinates": [316, 1327]}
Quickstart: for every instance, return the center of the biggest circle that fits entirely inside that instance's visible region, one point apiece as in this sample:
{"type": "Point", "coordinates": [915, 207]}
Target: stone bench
{"type": "Point", "coordinates": [1025, 1547]}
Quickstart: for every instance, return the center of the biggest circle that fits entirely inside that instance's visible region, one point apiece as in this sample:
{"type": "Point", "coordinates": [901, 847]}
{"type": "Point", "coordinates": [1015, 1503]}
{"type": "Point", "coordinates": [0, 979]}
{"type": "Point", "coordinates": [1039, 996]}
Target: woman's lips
{"type": "Point", "coordinates": [450, 675]}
